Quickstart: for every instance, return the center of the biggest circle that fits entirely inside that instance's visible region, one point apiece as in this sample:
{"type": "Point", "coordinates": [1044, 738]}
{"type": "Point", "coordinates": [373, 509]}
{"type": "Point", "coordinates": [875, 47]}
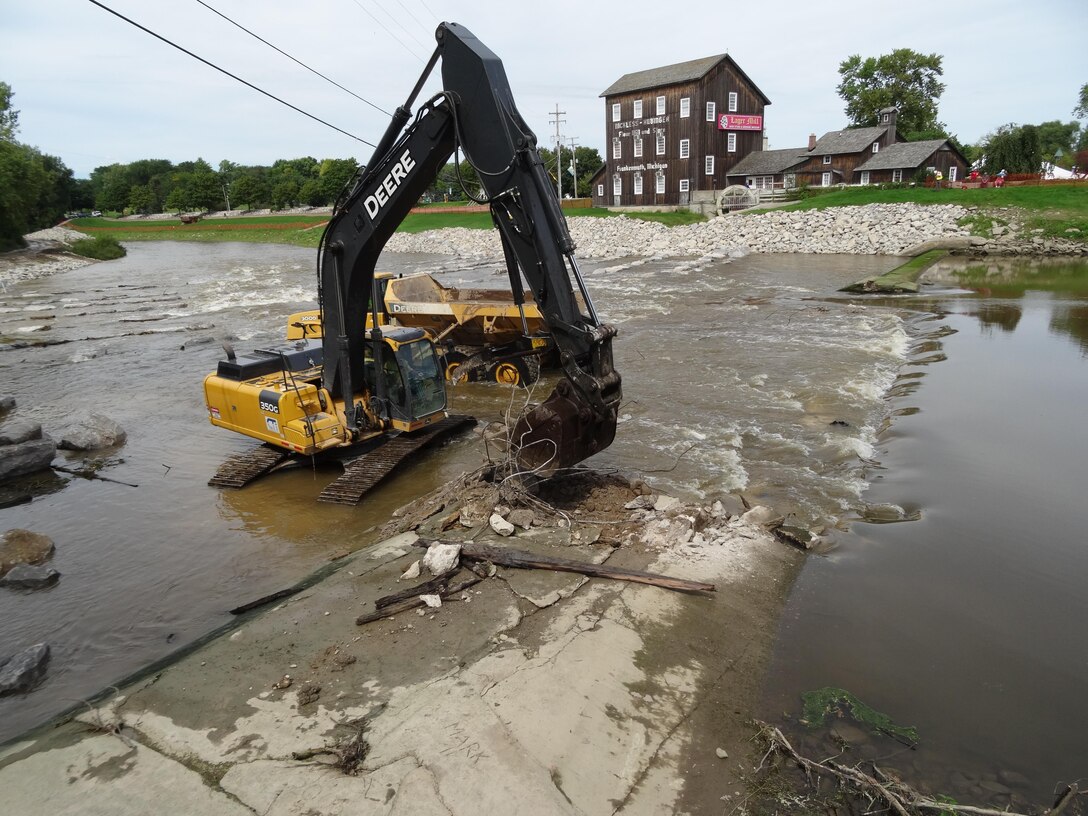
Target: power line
{"type": "Point", "coordinates": [387, 31]}
{"type": "Point", "coordinates": [408, 11]}
{"type": "Point", "coordinates": [228, 73]}
{"type": "Point", "coordinates": [304, 65]}
{"type": "Point", "coordinates": [403, 27]}
{"type": "Point", "coordinates": [424, 3]}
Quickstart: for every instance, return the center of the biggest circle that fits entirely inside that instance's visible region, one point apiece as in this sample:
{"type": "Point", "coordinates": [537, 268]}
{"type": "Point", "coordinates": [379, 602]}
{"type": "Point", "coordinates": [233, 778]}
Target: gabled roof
{"type": "Point", "coordinates": [905, 155]}
{"type": "Point", "coordinates": [675, 74]}
{"type": "Point", "coordinates": [769, 162]}
{"type": "Point", "coordinates": [846, 141]}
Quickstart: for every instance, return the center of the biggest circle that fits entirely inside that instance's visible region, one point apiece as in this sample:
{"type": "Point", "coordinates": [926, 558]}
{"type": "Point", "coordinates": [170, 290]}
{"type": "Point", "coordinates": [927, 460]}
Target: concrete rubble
{"type": "Point", "coordinates": [532, 692]}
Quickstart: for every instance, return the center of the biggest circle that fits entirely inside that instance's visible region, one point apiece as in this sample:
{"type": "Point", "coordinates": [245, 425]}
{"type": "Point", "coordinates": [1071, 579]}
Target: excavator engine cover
{"type": "Point", "coordinates": [560, 432]}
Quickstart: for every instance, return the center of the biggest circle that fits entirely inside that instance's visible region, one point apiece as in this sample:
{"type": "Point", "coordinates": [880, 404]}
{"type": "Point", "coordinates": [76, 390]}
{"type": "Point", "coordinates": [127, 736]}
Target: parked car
{"type": "Point", "coordinates": [96, 214]}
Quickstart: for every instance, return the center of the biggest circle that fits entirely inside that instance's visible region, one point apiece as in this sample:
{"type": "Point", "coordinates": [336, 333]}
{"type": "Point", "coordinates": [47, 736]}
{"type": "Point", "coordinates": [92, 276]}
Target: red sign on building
{"type": "Point", "coordinates": [734, 121]}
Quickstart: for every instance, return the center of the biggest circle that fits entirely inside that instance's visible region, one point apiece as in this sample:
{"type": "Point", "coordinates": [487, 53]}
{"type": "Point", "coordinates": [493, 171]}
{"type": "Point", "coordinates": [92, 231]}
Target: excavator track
{"type": "Point", "coordinates": [364, 473]}
{"type": "Point", "coordinates": [242, 468]}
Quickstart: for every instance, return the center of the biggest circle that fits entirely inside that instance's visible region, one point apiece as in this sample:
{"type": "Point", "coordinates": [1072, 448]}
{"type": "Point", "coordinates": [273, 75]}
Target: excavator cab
{"type": "Point", "coordinates": [408, 383]}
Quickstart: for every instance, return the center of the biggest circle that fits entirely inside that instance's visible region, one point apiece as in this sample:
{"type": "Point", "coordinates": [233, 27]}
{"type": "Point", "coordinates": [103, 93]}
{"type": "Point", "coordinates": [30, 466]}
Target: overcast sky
{"type": "Point", "coordinates": [94, 90]}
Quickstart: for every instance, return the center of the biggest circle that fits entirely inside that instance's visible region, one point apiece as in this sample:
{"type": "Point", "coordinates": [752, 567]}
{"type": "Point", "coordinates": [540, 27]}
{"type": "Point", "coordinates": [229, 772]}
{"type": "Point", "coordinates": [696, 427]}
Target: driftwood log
{"type": "Point", "coordinates": [520, 559]}
{"type": "Point", "coordinates": [412, 599]}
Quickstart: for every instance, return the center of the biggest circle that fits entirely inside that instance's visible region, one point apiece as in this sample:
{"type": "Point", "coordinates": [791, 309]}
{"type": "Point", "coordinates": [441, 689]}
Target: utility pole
{"type": "Point", "coordinates": [558, 151]}
{"type": "Point", "coordinates": [574, 163]}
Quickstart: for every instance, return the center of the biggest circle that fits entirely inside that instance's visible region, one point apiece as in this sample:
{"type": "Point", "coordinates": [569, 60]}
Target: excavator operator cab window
{"type": "Point", "coordinates": [415, 384]}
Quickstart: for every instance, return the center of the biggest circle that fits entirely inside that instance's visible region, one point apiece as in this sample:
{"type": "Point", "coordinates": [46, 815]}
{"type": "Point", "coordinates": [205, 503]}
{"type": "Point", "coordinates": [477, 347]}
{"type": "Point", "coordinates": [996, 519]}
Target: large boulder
{"type": "Point", "coordinates": [6, 404]}
{"type": "Point", "coordinates": [26, 457]}
{"type": "Point", "coordinates": [22, 671]}
{"type": "Point", "coordinates": [91, 432]}
{"type": "Point", "coordinates": [23, 547]}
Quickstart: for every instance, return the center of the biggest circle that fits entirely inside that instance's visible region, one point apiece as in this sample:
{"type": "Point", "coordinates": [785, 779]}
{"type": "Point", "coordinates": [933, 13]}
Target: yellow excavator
{"type": "Point", "coordinates": [375, 395]}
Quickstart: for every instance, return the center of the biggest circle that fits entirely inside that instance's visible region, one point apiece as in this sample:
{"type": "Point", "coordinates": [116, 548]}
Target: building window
{"type": "Point", "coordinates": [685, 107]}
{"type": "Point", "coordinates": [789, 181]}
{"type": "Point", "coordinates": [661, 106]}
{"type": "Point", "coordinates": [731, 143]}
{"type": "Point", "coordinates": [617, 149]}
{"type": "Point", "coordinates": [600, 191]}
{"type": "Point", "coordinates": [825, 180]}
{"type": "Point", "coordinates": [885, 118]}
{"type": "Point", "coordinates": [897, 176]}
{"type": "Point", "coordinates": [827, 160]}
{"type": "Point", "coordinates": [685, 148]}
{"type": "Point", "coordinates": [661, 143]}
{"type": "Point", "coordinates": [685, 185]}
{"type": "Point", "coordinates": [864, 176]}
{"type": "Point", "coordinates": [659, 185]}
{"type": "Point", "coordinates": [638, 183]}
{"type": "Point", "coordinates": [638, 147]}
{"type": "Point", "coordinates": [710, 165]}
{"type": "Point", "coordinates": [711, 111]}
{"type": "Point", "coordinates": [636, 113]}
{"type": "Point", "coordinates": [615, 111]}
{"type": "Point", "coordinates": [617, 185]}
{"type": "Point", "coordinates": [876, 147]}
{"type": "Point", "coordinates": [952, 173]}
{"type": "Point", "coordinates": [732, 101]}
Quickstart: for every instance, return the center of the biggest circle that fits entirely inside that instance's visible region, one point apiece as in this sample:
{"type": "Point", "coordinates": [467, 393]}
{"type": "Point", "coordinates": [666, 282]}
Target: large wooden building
{"type": "Point", "coordinates": [673, 133]}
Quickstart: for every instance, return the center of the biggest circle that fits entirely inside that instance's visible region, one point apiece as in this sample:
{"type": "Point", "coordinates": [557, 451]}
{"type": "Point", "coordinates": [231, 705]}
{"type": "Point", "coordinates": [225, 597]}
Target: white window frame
{"type": "Point", "coordinates": [600, 191]}
{"type": "Point", "coordinates": [661, 106]}
{"type": "Point", "coordinates": [897, 176]}
{"type": "Point", "coordinates": [636, 112]}
{"type": "Point", "coordinates": [685, 148]}
{"type": "Point", "coordinates": [876, 147]}
{"type": "Point", "coordinates": [638, 147]}
{"type": "Point", "coordinates": [617, 148]}
{"type": "Point", "coordinates": [711, 111]}
{"type": "Point", "coordinates": [827, 160]}
{"type": "Point", "coordinates": [685, 185]}
{"type": "Point", "coordinates": [659, 182]}
{"type": "Point", "coordinates": [616, 111]}
{"type": "Point", "coordinates": [732, 101]}
{"type": "Point", "coordinates": [885, 118]}
{"type": "Point", "coordinates": [731, 143]}
{"type": "Point", "coordinates": [952, 172]}
{"type": "Point", "coordinates": [825, 180]}
{"type": "Point", "coordinates": [617, 185]}
{"type": "Point", "coordinates": [708, 166]}
{"type": "Point", "coordinates": [659, 148]}
{"type": "Point", "coordinates": [638, 184]}
{"type": "Point", "coordinates": [864, 176]}
{"type": "Point", "coordinates": [685, 107]}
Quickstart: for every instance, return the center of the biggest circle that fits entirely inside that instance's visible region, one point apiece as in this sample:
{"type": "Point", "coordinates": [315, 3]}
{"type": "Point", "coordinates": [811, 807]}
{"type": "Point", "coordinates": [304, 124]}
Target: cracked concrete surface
{"type": "Point", "coordinates": [540, 693]}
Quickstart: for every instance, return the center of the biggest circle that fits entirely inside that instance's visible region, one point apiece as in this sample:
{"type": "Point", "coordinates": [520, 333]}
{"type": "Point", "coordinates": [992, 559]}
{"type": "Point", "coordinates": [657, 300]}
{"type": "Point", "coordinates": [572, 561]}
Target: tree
{"type": "Point", "coordinates": [1058, 136]}
{"type": "Point", "coordinates": [141, 199]}
{"type": "Point", "coordinates": [335, 174]}
{"type": "Point", "coordinates": [1014, 148]}
{"type": "Point", "coordinates": [903, 79]}
{"type": "Point", "coordinates": [1081, 110]}
{"type": "Point", "coordinates": [9, 117]}
{"type": "Point", "coordinates": [248, 191]}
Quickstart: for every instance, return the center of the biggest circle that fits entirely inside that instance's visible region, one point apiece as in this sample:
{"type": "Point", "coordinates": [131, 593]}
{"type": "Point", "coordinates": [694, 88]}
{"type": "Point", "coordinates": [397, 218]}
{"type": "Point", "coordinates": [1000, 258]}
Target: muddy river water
{"type": "Point", "coordinates": [743, 375]}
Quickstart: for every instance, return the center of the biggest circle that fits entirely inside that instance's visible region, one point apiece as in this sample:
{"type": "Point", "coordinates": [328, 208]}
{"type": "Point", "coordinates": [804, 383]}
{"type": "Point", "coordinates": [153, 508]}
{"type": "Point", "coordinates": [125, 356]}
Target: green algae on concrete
{"type": "Point", "coordinates": [902, 279]}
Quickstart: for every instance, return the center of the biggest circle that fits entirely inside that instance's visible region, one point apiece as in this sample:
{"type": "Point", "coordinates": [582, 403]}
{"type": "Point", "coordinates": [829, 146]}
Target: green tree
{"type": "Point", "coordinates": [141, 199]}
{"type": "Point", "coordinates": [248, 191]}
{"type": "Point", "coordinates": [1058, 136]}
{"type": "Point", "coordinates": [285, 194]}
{"type": "Point", "coordinates": [9, 117]}
{"type": "Point", "coordinates": [311, 193]}
{"type": "Point", "coordinates": [335, 174]}
{"type": "Point", "coordinates": [1014, 148]}
{"type": "Point", "coordinates": [904, 79]}
{"type": "Point", "coordinates": [1081, 110]}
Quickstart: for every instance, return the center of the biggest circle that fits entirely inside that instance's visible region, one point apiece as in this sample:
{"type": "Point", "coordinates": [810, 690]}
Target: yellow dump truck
{"type": "Point", "coordinates": [482, 333]}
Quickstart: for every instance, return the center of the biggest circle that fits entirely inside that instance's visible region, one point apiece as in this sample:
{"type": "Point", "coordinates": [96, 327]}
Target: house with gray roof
{"type": "Point", "coordinates": [673, 133]}
{"type": "Point", "coordinates": [903, 161]}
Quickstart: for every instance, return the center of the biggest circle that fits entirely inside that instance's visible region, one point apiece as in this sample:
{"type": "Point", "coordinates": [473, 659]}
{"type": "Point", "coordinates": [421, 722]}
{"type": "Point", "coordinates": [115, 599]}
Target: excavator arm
{"type": "Point", "coordinates": [475, 113]}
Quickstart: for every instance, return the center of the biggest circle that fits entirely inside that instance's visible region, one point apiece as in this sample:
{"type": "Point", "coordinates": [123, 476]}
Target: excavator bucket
{"type": "Point", "coordinates": [560, 432]}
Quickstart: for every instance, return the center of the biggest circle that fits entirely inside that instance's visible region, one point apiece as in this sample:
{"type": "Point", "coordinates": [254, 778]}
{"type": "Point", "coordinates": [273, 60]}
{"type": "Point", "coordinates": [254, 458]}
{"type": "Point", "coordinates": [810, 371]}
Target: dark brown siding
{"type": "Point", "coordinates": [703, 137]}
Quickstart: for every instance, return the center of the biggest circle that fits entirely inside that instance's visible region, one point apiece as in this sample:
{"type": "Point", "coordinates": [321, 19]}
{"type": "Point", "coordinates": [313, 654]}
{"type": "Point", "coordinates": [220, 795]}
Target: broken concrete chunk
{"type": "Point", "coordinates": [22, 671]}
{"type": "Point", "coordinates": [665, 503]}
{"type": "Point", "coordinates": [640, 503]}
{"type": "Point", "coordinates": [522, 517]}
{"type": "Point", "coordinates": [91, 432]}
{"type": "Point", "coordinates": [761, 515]}
{"type": "Point", "coordinates": [432, 601]}
{"type": "Point", "coordinates": [501, 525]}
{"type": "Point", "coordinates": [411, 572]}
{"type": "Point", "coordinates": [442, 558]}
{"type": "Point", "coordinates": [721, 753]}
{"type": "Point", "coordinates": [17, 431]}
{"type": "Point", "coordinates": [23, 458]}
